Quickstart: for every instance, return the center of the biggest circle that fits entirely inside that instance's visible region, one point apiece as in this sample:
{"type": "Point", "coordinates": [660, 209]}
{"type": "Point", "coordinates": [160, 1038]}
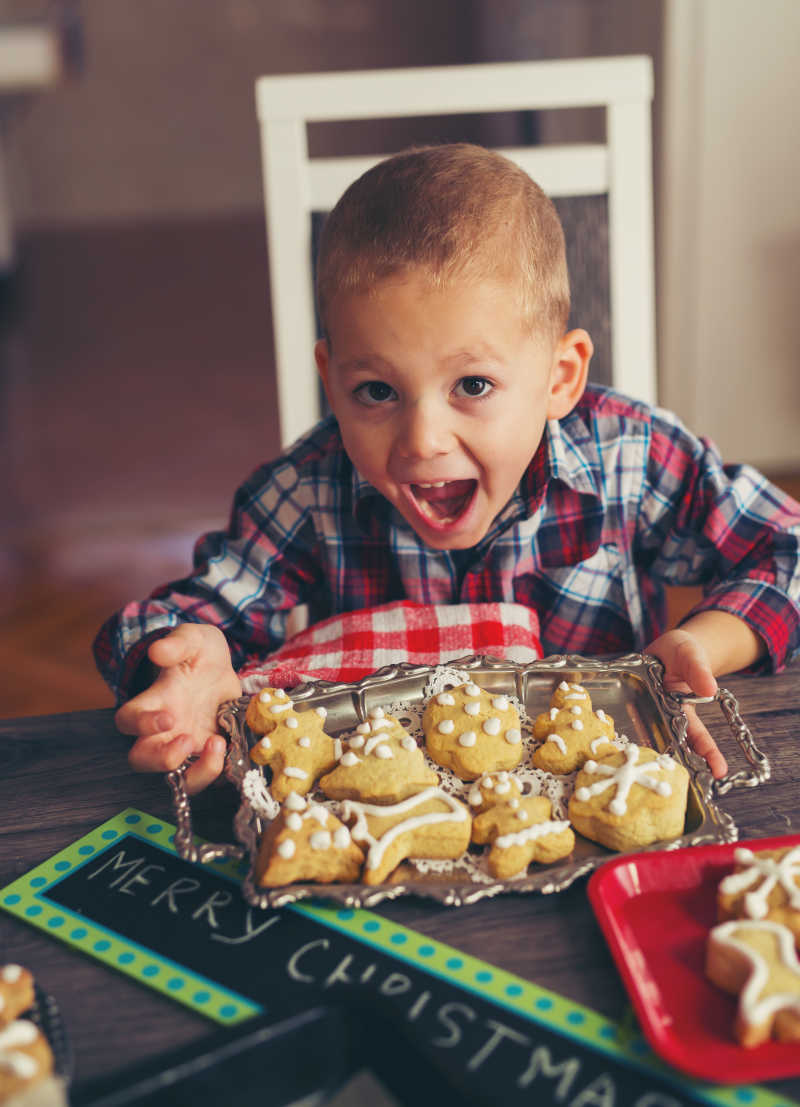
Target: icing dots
{"type": "Point", "coordinates": [761, 874]}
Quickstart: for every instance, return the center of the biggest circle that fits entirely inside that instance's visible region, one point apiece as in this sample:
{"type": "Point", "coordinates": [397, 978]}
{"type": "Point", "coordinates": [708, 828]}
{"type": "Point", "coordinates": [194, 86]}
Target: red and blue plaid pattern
{"type": "Point", "coordinates": [619, 500]}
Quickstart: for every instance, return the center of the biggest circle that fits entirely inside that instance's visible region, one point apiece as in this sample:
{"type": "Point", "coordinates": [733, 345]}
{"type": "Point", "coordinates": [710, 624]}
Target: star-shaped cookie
{"type": "Point", "coordinates": [472, 731]}
{"type": "Point", "coordinates": [522, 831]}
{"type": "Point", "coordinates": [306, 842]}
{"type": "Point", "coordinates": [430, 824]}
{"type": "Point", "coordinates": [380, 763]}
{"type": "Point", "coordinates": [758, 960]}
{"type": "Point", "coordinates": [764, 885]}
{"type": "Point", "coordinates": [571, 732]}
{"type": "Point", "coordinates": [294, 745]}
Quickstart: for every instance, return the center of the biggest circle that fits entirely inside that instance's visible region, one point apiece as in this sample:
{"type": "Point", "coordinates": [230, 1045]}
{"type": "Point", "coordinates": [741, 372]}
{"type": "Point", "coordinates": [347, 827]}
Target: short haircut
{"type": "Point", "coordinates": [455, 211]}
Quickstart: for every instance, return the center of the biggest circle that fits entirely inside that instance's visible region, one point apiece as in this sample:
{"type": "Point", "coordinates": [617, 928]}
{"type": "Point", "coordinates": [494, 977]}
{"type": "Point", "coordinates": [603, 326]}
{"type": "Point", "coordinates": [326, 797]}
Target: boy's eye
{"type": "Point", "coordinates": [474, 386]}
{"type": "Point", "coordinates": [374, 392]}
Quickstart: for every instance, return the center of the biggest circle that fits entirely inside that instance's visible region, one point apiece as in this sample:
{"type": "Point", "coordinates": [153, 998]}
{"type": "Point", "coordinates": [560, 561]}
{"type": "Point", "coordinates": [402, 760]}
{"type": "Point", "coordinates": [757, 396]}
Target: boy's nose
{"type": "Point", "coordinates": [425, 431]}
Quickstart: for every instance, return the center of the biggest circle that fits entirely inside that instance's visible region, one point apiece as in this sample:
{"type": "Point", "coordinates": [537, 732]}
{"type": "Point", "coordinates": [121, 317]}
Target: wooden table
{"type": "Point", "coordinates": [65, 774]}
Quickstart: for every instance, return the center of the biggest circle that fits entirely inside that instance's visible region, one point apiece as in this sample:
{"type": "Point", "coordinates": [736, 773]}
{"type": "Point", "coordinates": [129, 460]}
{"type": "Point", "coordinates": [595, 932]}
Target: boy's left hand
{"type": "Point", "coordinates": [687, 669]}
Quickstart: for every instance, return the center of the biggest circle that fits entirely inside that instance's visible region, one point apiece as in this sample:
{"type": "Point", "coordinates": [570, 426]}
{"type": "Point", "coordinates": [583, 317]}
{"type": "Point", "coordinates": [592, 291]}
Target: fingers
{"type": "Point", "coordinates": [159, 753]}
{"type": "Point", "coordinates": [208, 766]}
{"type": "Point", "coordinates": [703, 744]}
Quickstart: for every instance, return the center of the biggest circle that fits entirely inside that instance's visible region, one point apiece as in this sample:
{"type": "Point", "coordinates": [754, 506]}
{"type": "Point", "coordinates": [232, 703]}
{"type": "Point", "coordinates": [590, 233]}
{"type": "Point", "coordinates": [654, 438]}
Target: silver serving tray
{"type": "Point", "coordinates": [629, 688]}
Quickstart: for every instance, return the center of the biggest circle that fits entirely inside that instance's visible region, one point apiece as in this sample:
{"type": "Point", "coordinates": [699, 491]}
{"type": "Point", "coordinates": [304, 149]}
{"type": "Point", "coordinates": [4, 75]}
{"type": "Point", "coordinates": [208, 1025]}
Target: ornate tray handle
{"type": "Point", "coordinates": [760, 769]}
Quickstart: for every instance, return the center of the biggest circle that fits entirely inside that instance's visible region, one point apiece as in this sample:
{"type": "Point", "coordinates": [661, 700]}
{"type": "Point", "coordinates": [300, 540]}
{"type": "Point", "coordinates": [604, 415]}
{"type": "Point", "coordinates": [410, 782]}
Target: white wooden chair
{"type": "Point", "coordinates": [296, 185]}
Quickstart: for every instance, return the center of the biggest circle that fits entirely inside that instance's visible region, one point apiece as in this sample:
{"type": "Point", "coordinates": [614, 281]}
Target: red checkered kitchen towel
{"type": "Point", "coordinates": [351, 646]}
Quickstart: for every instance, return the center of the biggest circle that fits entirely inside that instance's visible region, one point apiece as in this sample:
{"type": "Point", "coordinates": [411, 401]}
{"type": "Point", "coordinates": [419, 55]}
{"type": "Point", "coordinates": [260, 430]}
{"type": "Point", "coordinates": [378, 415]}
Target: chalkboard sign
{"type": "Point", "coordinates": [122, 895]}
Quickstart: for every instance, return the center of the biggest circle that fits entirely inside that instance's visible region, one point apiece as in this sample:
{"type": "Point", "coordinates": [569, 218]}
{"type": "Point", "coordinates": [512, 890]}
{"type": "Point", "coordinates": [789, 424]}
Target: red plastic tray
{"type": "Point", "coordinates": [655, 910]}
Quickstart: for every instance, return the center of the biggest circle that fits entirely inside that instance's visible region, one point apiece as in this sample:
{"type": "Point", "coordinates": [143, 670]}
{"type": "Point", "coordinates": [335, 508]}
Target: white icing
{"type": "Point", "coordinates": [292, 722]}
{"type": "Point", "coordinates": [378, 846]}
{"type": "Point", "coordinates": [513, 736]}
{"type": "Point", "coordinates": [576, 696]}
{"type": "Point", "coordinates": [503, 784]}
{"type": "Point", "coordinates": [277, 708]}
{"type": "Point", "coordinates": [471, 690]}
{"type": "Point", "coordinates": [341, 837]}
{"type": "Point", "coordinates": [446, 700]}
{"type": "Point", "coordinates": [264, 697]}
{"type": "Point", "coordinates": [320, 839]}
{"type": "Point", "coordinates": [522, 814]}
{"type": "Point", "coordinates": [446, 726]}
{"type": "Point", "coordinates": [578, 688]}
{"type": "Point", "coordinates": [492, 725]}
{"type": "Point", "coordinates": [304, 742]}
{"type": "Point", "coordinates": [500, 703]}
{"type": "Point", "coordinates": [563, 686]}
{"type": "Point", "coordinates": [322, 712]}
{"type": "Point", "coordinates": [294, 821]}
{"type": "Point", "coordinates": [298, 774]}
{"type": "Point", "coordinates": [377, 713]}
{"type": "Point", "coordinates": [383, 751]}
{"type": "Point", "coordinates": [286, 848]}
{"type": "Point", "coordinates": [337, 748]}
{"type": "Point", "coordinates": [356, 742]}
{"type": "Point", "coordinates": [783, 872]}
{"type": "Point", "coordinates": [553, 714]}
{"type": "Point", "coordinates": [408, 743]}
{"type": "Point", "coordinates": [295, 802]}
{"type": "Point", "coordinates": [537, 830]}
{"type": "Point", "coordinates": [468, 738]}
{"type": "Point", "coordinates": [349, 759]}
{"type": "Point", "coordinates": [265, 744]}
{"type": "Point", "coordinates": [18, 1034]}
{"type": "Point", "coordinates": [557, 741]}
{"type": "Point", "coordinates": [363, 728]}
{"type": "Point", "coordinates": [624, 776]}
{"type": "Point", "coordinates": [11, 973]}
{"type": "Point", "coordinates": [576, 724]}
{"type": "Point", "coordinates": [603, 739]}
{"type": "Point", "coordinates": [601, 715]}
{"type": "Point", "coordinates": [576, 710]}
{"type": "Point", "coordinates": [382, 724]}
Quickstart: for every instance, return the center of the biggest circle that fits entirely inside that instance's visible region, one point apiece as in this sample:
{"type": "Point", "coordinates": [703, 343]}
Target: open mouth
{"type": "Point", "coordinates": [443, 502]}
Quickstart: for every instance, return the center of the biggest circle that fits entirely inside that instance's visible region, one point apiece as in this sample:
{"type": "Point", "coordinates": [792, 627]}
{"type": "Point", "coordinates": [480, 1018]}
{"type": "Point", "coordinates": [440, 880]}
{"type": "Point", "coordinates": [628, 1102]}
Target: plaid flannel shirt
{"type": "Point", "coordinates": [618, 501]}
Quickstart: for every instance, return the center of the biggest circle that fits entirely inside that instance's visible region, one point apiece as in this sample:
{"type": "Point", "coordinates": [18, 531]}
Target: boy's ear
{"type": "Point", "coordinates": [322, 358]}
{"type": "Point", "coordinates": [569, 372]}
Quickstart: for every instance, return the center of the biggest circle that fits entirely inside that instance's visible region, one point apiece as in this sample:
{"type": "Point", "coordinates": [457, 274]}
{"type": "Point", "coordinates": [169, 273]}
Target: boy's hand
{"type": "Point", "coordinates": [176, 717]}
{"type": "Point", "coordinates": [687, 669]}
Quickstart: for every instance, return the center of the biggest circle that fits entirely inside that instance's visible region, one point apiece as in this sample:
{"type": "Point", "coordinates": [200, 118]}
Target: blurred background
{"type": "Point", "coordinates": [136, 368]}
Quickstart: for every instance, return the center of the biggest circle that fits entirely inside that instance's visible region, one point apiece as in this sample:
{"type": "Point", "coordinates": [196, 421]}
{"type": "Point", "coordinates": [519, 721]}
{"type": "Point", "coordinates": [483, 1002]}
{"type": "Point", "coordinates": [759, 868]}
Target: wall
{"type": "Point", "coordinates": [730, 272]}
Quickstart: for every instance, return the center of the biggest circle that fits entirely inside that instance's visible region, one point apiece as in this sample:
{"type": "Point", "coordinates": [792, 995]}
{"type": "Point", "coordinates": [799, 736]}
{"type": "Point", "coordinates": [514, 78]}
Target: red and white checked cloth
{"type": "Point", "coordinates": [351, 646]}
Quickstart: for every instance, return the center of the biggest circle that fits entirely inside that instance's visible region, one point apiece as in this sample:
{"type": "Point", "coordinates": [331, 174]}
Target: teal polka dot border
{"type": "Point", "coordinates": [26, 898]}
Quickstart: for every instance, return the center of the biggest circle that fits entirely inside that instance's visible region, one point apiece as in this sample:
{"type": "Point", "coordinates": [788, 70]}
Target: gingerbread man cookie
{"type": "Point", "coordinates": [491, 789]}
{"type": "Point", "coordinates": [16, 992]}
{"type": "Point", "coordinates": [571, 732]}
{"type": "Point", "coordinates": [429, 824]}
{"type": "Point", "coordinates": [306, 842]}
{"type": "Point", "coordinates": [522, 831]}
{"type": "Point", "coordinates": [764, 885]}
{"type": "Point", "coordinates": [472, 731]}
{"type": "Point", "coordinates": [380, 763]}
{"type": "Point", "coordinates": [758, 960]}
{"type": "Point", "coordinates": [630, 798]}
{"type": "Point", "coordinates": [294, 745]}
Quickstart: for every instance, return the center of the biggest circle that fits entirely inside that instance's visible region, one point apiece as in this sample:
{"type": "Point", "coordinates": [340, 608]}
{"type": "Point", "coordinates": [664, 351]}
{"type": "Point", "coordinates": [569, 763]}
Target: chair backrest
{"type": "Point", "coordinates": [618, 170]}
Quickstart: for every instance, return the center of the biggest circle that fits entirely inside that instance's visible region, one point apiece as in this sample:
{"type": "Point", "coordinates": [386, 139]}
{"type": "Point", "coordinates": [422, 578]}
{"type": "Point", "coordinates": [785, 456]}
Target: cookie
{"type": "Point", "coordinates": [472, 732]}
{"type": "Point", "coordinates": [764, 885]}
{"type": "Point", "coordinates": [492, 788]}
{"type": "Point", "coordinates": [294, 745]}
{"type": "Point", "coordinates": [630, 798]}
{"type": "Point", "coordinates": [306, 842]}
{"type": "Point", "coordinates": [380, 763]}
{"type": "Point", "coordinates": [429, 824]}
{"type": "Point", "coordinates": [758, 960]}
{"type": "Point", "coordinates": [25, 1058]}
{"type": "Point", "coordinates": [522, 831]}
{"type": "Point", "coordinates": [16, 992]}
{"type": "Point", "coordinates": [571, 733]}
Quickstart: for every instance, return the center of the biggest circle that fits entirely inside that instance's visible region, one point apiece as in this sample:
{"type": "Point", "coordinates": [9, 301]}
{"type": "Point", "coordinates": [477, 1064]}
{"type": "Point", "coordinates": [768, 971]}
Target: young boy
{"type": "Point", "coordinates": [465, 461]}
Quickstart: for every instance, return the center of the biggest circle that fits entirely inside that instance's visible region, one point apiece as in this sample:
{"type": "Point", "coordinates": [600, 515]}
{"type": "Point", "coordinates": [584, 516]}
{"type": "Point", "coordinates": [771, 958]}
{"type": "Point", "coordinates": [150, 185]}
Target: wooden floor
{"type": "Point", "coordinates": [136, 391]}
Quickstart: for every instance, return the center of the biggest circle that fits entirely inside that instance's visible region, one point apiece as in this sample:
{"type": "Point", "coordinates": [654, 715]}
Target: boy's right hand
{"type": "Point", "coordinates": [176, 717]}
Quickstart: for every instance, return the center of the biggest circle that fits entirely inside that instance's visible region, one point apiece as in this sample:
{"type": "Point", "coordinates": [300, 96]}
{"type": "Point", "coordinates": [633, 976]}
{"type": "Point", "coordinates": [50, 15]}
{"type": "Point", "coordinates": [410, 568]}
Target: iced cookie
{"type": "Point", "coordinates": [630, 798]}
{"type": "Point", "coordinates": [764, 885]}
{"type": "Point", "coordinates": [380, 763]}
{"type": "Point", "coordinates": [16, 992]}
{"type": "Point", "coordinates": [522, 831]}
{"type": "Point", "coordinates": [294, 745]}
{"type": "Point", "coordinates": [25, 1058]}
{"type": "Point", "coordinates": [472, 731]}
{"type": "Point", "coordinates": [306, 842]}
{"type": "Point", "coordinates": [429, 824]}
{"type": "Point", "coordinates": [492, 788]}
{"type": "Point", "coordinates": [759, 961]}
{"type": "Point", "coordinates": [571, 733]}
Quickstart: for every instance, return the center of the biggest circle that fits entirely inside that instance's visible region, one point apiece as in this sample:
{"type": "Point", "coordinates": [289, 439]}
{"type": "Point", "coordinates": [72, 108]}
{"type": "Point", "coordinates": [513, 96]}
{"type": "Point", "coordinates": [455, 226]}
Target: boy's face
{"type": "Point", "coordinates": [442, 397]}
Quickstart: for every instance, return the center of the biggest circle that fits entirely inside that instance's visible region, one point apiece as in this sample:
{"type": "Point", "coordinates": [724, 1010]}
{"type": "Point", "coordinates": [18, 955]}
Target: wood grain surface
{"type": "Point", "coordinates": [65, 774]}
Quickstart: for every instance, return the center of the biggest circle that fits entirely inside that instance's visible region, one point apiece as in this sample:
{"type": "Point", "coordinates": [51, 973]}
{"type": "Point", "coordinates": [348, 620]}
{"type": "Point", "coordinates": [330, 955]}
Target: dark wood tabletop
{"type": "Point", "coordinates": [65, 774]}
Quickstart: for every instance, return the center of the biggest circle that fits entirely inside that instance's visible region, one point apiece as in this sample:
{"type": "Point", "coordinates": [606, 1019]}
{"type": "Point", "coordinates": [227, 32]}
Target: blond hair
{"type": "Point", "coordinates": [455, 211]}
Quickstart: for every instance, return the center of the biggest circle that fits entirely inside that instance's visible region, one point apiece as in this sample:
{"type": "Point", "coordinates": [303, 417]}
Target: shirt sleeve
{"type": "Point", "coordinates": [725, 527]}
{"type": "Point", "coordinates": [245, 580]}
